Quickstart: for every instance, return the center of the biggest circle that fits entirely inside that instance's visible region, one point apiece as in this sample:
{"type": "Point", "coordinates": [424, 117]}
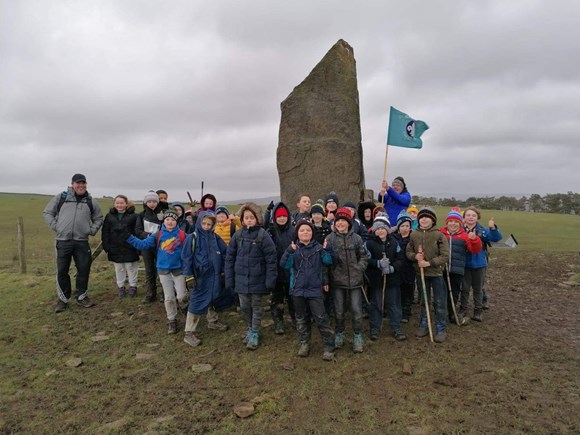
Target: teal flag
{"type": "Point", "coordinates": [405, 131]}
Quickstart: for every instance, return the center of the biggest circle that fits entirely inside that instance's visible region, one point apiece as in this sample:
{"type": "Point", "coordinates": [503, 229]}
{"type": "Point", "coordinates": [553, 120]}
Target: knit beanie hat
{"type": "Point", "coordinates": [378, 209]}
{"type": "Point", "coordinates": [222, 209]}
{"type": "Point", "coordinates": [344, 213]}
{"type": "Point", "coordinates": [280, 211]}
{"type": "Point", "coordinates": [150, 196]}
{"type": "Point", "coordinates": [332, 197]}
{"type": "Point", "coordinates": [170, 214]}
{"type": "Point", "coordinates": [317, 208]}
{"type": "Point", "coordinates": [381, 221]}
{"type": "Point", "coordinates": [404, 217]}
{"type": "Point", "coordinates": [349, 204]}
{"type": "Point", "coordinates": [400, 181]}
{"type": "Point", "coordinates": [454, 214]}
{"type": "Point", "coordinates": [427, 212]}
{"type": "Point", "coordinates": [304, 221]}
{"type": "Point", "coordinates": [413, 208]}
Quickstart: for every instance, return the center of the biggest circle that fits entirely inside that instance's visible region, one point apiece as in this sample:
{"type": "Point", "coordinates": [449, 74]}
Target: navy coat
{"type": "Point", "coordinates": [306, 267]}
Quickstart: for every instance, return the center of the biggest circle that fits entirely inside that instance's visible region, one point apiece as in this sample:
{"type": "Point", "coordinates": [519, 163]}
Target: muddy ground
{"type": "Point", "coordinates": [517, 372]}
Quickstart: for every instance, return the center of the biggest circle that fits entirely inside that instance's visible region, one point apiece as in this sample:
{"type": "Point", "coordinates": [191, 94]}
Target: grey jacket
{"type": "Point", "coordinates": [74, 221]}
{"type": "Point", "coordinates": [349, 260]}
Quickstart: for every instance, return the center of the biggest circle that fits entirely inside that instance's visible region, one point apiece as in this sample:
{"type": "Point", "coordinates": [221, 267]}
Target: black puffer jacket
{"type": "Point", "coordinates": [149, 221]}
{"type": "Point", "coordinates": [282, 236]}
{"type": "Point", "coordinates": [114, 236]}
{"type": "Point", "coordinates": [407, 270]}
{"type": "Point", "coordinates": [376, 247]}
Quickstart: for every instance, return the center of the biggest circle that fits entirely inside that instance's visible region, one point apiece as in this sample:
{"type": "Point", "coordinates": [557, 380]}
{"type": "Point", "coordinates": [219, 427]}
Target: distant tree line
{"type": "Point", "coordinates": [566, 203]}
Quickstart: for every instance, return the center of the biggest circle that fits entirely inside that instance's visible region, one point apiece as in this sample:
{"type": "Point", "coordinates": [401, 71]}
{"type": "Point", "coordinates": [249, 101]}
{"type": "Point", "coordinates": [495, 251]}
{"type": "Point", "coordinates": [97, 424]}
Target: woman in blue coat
{"type": "Point", "coordinates": [203, 257]}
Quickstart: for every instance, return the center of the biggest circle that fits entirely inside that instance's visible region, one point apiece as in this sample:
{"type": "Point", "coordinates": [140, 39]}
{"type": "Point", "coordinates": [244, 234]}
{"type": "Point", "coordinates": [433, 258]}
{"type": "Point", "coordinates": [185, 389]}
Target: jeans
{"type": "Point", "coordinates": [436, 284]}
{"type": "Point", "coordinates": [251, 308]}
{"type": "Point", "coordinates": [473, 278]}
{"type": "Point", "coordinates": [80, 251]}
{"type": "Point", "coordinates": [339, 295]}
{"type": "Point", "coordinates": [313, 308]}
{"type": "Point", "coordinates": [280, 295]}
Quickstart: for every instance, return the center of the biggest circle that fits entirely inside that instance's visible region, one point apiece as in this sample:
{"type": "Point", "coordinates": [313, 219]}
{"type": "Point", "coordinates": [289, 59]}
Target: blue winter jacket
{"type": "Point", "coordinates": [395, 203]}
{"type": "Point", "coordinates": [251, 267]}
{"type": "Point", "coordinates": [306, 268]}
{"type": "Point", "coordinates": [168, 249]}
{"type": "Point", "coordinates": [479, 260]}
{"type": "Point", "coordinates": [203, 256]}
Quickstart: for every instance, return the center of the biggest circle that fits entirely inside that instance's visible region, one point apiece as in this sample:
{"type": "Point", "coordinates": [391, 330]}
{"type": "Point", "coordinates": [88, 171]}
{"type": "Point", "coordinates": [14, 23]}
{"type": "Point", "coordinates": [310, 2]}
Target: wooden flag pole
{"type": "Point", "coordinates": [385, 170]}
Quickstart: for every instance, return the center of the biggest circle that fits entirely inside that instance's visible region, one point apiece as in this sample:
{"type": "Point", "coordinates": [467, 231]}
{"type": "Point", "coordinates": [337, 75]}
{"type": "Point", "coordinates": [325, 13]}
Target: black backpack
{"type": "Point", "coordinates": [62, 200]}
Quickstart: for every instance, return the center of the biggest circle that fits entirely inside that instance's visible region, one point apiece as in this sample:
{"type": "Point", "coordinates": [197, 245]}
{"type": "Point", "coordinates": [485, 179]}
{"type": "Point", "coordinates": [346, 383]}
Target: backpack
{"type": "Point", "coordinates": [62, 200]}
{"type": "Point", "coordinates": [182, 236]}
{"type": "Point", "coordinates": [259, 238]}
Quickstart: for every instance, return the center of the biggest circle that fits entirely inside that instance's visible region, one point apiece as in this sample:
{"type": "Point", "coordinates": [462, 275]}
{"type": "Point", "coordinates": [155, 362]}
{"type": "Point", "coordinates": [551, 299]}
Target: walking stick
{"type": "Point", "coordinates": [451, 296]}
{"type": "Point", "coordinates": [449, 282]}
{"type": "Point", "coordinates": [384, 286]}
{"type": "Point", "coordinates": [425, 298]}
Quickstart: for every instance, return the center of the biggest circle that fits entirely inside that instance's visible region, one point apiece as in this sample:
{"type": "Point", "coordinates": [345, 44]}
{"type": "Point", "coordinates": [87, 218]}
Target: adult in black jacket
{"type": "Point", "coordinates": [385, 261]}
{"type": "Point", "coordinates": [283, 233]}
{"type": "Point", "coordinates": [120, 221]}
{"type": "Point", "coordinates": [149, 222]}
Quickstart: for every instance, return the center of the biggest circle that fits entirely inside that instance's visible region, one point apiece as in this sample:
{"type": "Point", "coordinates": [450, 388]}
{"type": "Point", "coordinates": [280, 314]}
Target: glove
{"type": "Point", "coordinates": [387, 270]}
{"type": "Point", "coordinates": [384, 262]}
{"type": "Point", "coordinates": [270, 206]}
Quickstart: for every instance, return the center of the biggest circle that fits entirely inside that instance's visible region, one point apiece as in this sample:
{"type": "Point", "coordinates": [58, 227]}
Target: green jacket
{"type": "Point", "coordinates": [435, 248]}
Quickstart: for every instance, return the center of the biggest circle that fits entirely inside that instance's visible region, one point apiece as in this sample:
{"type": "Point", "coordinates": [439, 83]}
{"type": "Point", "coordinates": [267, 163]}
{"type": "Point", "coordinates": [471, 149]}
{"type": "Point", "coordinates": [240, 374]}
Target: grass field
{"type": "Point", "coordinates": [517, 372]}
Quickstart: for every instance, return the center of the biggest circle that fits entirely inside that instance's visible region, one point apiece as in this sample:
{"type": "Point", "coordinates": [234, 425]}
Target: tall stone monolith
{"type": "Point", "coordinates": [319, 144]}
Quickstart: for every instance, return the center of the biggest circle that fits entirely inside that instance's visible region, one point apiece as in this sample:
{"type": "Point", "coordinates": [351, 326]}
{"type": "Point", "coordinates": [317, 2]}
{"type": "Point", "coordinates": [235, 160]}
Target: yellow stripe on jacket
{"type": "Point", "coordinates": [224, 229]}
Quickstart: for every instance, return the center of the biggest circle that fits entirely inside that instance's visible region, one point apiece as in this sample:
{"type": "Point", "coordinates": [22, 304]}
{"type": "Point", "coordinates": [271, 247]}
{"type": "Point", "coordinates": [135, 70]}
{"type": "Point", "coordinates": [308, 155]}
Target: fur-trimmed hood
{"type": "Point", "coordinates": [256, 211]}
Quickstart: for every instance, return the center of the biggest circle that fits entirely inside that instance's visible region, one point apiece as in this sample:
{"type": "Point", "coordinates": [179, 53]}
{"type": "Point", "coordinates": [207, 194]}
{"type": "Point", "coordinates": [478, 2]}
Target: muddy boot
{"type": "Point", "coordinates": [339, 340]}
{"type": "Point", "coordinates": [328, 356]}
{"type": "Point", "coordinates": [218, 326]}
{"type": "Point", "coordinates": [150, 297]}
{"type": "Point", "coordinates": [440, 337]}
{"type": "Point", "coordinates": [172, 326]}
{"type": "Point", "coordinates": [304, 350]}
{"type": "Point", "coordinates": [477, 315]}
{"type": "Point", "coordinates": [357, 343]}
{"type": "Point", "coordinates": [122, 292]}
{"type": "Point", "coordinates": [252, 340]}
{"type": "Point", "coordinates": [279, 327]}
{"type": "Point", "coordinates": [132, 292]}
{"type": "Point", "coordinates": [191, 339]}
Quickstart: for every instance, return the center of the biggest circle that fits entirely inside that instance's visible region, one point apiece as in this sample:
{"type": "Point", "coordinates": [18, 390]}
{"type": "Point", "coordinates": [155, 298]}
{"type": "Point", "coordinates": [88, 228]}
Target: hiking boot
{"type": "Point", "coordinates": [122, 292]}
{"type": "Point", "coordinates": [149, 298]}
{"type": "Point", "coordinates": [328, 356]}
{"type": "Point", "coordinates": [357, 343]}
{"type": "Point", "coordinates": [477, 315]}
{"type": "Point", "coordinates": [422, 332]}
{"type": "Point", "coordinates": [485, 305]}
{"type": "Point", "coordinates": [279, 327]}
{"type": "Point", "coordinates": [374, 334]}
{"type": "Point", "coordinates": [304, 350]}
{"type": "Point", "coordinates": [86, 302]}
{"type": "Point", "coordinates": [339, 340]}
{"type": "Point", "coordinates": [253, 340]}
{"type": "Point", "coordinates": [60, 306]}
{"type": "Point", "coordinates": [172, 327]}
{"type": "Point", "coordinates": [405, 319]}
{"type": "Point", "coordinates": [191, 339]}
{"type": "Point", "coordinates": [440, 337]}
{"type": "Point", "coordinates": [399, 336]}
{"type": "Point", "coordinates": [218, 326]}
{"type": "Point", "coordinates": [132, 292]}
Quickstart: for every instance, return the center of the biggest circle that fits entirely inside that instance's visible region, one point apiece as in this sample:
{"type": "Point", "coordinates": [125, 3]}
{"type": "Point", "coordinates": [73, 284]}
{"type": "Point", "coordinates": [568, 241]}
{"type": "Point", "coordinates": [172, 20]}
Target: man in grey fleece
{"type": "Point", "coordinates": [73, 215]}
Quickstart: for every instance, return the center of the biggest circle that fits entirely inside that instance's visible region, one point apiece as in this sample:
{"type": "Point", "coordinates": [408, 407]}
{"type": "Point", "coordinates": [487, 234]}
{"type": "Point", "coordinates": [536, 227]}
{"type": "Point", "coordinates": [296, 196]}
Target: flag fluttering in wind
{"type": "Point", "coordinates": [405, 131]}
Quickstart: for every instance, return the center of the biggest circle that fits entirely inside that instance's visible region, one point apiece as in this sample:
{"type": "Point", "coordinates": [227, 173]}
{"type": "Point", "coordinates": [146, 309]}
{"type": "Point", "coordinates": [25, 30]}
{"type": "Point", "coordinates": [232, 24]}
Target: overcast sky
{"type": "Point", "coordinates": [145, 94]}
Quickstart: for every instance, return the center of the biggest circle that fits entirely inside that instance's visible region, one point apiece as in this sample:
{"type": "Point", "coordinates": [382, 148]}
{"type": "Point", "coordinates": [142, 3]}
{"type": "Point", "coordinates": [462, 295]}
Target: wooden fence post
{"type": "Point", "coordinates": [20, 243]}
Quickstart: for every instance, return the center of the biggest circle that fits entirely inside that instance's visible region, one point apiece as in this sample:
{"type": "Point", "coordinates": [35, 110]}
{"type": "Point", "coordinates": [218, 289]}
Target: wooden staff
{"type": "Point", "coordinates": [425, 298]}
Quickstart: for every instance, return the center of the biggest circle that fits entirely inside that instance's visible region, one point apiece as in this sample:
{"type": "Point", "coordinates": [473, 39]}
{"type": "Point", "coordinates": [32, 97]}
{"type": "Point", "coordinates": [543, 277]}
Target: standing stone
{"type": "Point", "coordinates": [319, 144]}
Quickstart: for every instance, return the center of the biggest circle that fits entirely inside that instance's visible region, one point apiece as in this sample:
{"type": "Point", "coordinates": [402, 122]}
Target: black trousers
{"type": "Point", "coordinates": [66, 251]}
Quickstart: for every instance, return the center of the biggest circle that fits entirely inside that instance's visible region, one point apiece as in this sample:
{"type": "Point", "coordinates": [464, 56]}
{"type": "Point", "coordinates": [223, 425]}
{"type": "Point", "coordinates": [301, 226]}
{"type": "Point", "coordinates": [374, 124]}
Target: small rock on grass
{"type": "Point", "coordinates": [288, 365]}
{"type": "Point", "coordinates": [74, 362]}
{"type": "Point", "coordinates": [114, 425]}
{"type": "Point", "coordinates": [153, 345]}
{"type": "Point", "coordinates": [50, 373]}
{"type": "Point", "coordinates": [117, 314]}
{"type": "Point", "coordinates": [267, 323]}
{"type": "Point", "coordinates": [407, 369]}
{"type": "Point", "coordinates": [244, 409]}
{"type": "Point", "coordinates": [142, 356]}
{"type": "Point", "coordinates": [201, 368]}
{"type": "Point", "coordinates": [100, 338]}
